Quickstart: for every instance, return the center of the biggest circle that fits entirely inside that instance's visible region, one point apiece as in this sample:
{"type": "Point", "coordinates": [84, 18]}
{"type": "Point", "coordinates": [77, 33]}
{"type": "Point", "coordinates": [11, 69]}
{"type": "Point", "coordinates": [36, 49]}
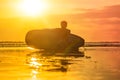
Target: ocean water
{"type": "Point", "coordinates": [99, 63]}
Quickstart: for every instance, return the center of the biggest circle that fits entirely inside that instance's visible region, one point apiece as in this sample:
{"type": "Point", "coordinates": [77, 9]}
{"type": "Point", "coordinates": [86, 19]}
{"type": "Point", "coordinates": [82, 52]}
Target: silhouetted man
{"type": "Point", "coordinates": [63, 36]}
{"type": "Point", "coordinates": [64, 29]}
{"type": "Point", "coordinates": [71, 42]}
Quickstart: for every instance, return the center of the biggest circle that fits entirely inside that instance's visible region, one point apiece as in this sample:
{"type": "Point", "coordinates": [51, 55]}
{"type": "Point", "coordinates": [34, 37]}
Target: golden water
{"type": "Point", "coordinates": [99, 63]}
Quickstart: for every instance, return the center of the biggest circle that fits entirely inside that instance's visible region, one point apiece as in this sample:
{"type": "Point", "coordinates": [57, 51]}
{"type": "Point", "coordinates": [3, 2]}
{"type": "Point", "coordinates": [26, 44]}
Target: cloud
{"type": "Point", "coordinates": [101, 24]}
{"type": "Point", "coordinates": [109, 15]}
{"type": "Point", "coordinates": [106, 12]}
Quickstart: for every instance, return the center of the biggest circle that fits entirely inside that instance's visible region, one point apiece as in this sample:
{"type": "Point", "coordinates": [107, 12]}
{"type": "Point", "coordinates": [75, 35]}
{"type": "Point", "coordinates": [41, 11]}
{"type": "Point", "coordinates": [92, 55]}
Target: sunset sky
{"type": "Point", "coordinates": [94, 20]}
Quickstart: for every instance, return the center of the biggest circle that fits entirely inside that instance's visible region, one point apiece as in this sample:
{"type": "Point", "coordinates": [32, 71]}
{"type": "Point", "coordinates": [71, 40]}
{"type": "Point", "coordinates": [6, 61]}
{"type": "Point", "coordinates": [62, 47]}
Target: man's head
{"type": "Point", "coordinates": [63, 24]}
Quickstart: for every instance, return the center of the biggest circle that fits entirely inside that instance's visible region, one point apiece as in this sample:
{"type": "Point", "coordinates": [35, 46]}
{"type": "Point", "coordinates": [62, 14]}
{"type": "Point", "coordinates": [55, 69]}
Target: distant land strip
{"type": "Point", "coordinates": [87, 44]}
{"type": "Point", "coordinates": [102, 44]}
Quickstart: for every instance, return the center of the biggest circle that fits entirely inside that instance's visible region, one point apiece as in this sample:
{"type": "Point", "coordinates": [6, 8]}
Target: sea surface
{"type": "Point", "coordinates": [99, 63]}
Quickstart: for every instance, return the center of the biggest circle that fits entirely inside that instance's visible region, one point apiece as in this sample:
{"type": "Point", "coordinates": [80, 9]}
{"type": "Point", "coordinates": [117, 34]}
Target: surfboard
{"type": "Point", "coordinates": [53, 40]}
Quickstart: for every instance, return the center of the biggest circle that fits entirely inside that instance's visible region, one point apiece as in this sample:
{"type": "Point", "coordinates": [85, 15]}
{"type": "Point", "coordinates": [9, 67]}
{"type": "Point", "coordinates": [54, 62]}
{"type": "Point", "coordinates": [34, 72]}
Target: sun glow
{"type": "Point", "coordinates": [33, 7]}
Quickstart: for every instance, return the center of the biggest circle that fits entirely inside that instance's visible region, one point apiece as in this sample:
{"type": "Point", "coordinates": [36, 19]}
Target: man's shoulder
{"type": "Point", "coordinates": [61, 30]}
{"type": "Point", "coordinates": [68, 30]}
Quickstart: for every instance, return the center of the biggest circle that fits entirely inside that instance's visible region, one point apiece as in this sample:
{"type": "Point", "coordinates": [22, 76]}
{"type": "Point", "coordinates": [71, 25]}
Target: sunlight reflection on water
{"type": "Point", "coordinates": [99, 63]}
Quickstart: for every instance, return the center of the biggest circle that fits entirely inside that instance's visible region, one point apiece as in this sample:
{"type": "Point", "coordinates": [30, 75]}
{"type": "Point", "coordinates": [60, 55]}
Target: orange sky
{"type": "Point", "coordinates": [94, 20]}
